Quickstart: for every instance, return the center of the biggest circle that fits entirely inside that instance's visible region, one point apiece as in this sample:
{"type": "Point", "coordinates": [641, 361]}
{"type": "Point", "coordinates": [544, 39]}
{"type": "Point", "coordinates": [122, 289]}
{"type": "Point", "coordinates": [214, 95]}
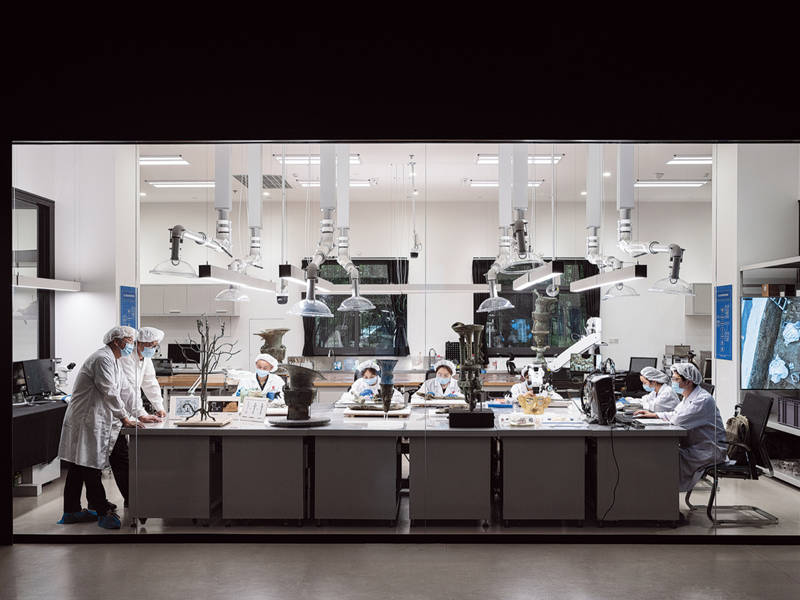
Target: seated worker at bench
{"type": "Point", "coordinates": [705, 443]}
{"type": "Point", "coordinates": [368, 386]}
{"type": "Point", "coordinates": [444, 384]}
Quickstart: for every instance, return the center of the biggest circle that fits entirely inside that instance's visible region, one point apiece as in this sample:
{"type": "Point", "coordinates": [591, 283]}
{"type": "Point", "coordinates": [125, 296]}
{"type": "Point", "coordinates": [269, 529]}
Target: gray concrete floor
{"type": "Point", "coordinates": [367, 571]}
{"type": "Point", "coordinates": [38, 515]}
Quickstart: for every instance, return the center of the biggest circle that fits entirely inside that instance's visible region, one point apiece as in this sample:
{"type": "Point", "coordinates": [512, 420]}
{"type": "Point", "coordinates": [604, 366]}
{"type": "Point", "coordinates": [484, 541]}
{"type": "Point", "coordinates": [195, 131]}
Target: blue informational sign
{"type": "Point", "coordinates": [723, 336]}
{"type": "Point", "coordinates": [127, 306]}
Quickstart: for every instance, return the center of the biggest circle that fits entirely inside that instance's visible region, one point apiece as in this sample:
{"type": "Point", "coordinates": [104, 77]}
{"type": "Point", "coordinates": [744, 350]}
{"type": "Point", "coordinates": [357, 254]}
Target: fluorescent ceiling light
{"type": "Point", "coordinates": [296, 275]}
{"type": "Point", "coordinates": [310, 159]}
{"type": "Point", "coordinates": [670, 183]}
{"type": "Point", "coordinates": [533, 159]}
{"type": "Point", "coordinates": [181, 184]}
{"type": "Point", "coordinates": [538, 275]}
{"type": "Point", "coordinates": [689, 159]}
{"type": "Point", "coordinates": [176, 159]}
{"type": "Point", "coordinates": [583, 193]}
{"type": "Point", "coordinates": [489, 183]}
{"type": "Point", "coordinates": [607, 174]}
{"type": "Point", "coordinates": [609, 278]}
{"type": "Point", "coordinates": [265, 194]}
{"type": "Point", "coordinates": [214, 273]}
{"type": "Point", "coordinates": [314, 183]}
{"type": "Point", "coordinates": [142, 194]}
{"type": "Point", "coordinates": [42, 283]}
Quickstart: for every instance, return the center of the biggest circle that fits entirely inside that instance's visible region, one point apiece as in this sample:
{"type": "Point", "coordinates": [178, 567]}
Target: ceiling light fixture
{"type": "Point", "coordinates": [309, 159]}
{"type": "Point", "coordinates": [43, 283]}
{"type": "Point", "coordinates": [609, 278]}
{"type": "Point", "coordinates": [142, 194]}
{"type": "Point", "coordinates": [669, 183]}
{"type": "Point", "coordinates": [607, 174]}
{"type": "Point", "coordinates": [533, 159]}
{"type": "Point", "coordinates": [236, 278]}
{"type": "Point", "coordinates": [485, 183]}
{"type": "Point", "coordinates": [689, 159]}
{"type": "Point", "coordinates": [181, 184]}
{"type": "Point", "coordinates": [314, 183]}
{"type": "Point", "coordinates": [176, 159]}
{"type": "Point", "coordinates": [297, 275]}
{"type": "Point", "coordinates": [539, 275]}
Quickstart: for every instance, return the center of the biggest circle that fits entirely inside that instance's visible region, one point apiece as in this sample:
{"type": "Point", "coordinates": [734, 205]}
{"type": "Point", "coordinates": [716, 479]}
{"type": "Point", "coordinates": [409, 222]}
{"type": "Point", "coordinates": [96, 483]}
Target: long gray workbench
{"type": "Point", "coordinates": [350, 469]}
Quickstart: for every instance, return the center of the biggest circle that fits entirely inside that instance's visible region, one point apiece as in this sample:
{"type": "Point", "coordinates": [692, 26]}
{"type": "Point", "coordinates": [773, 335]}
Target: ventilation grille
{"type": "Point", "coordinates": [269, 182]}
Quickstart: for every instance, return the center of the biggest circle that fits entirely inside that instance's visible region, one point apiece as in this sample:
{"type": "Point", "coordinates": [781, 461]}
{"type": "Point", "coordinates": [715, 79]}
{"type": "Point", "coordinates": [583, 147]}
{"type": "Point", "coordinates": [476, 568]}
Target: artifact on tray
{"type": "Point", "coordinates": [210, 350]}
{"type": "Point", "coordinates": [469, 378]}
{"type": "Point", "coordinates": [533, 404]}
{"type": "Point", "coordinates": [387, 382]}
{"type": "Point", "coordinates": [299, 394]}
{"type": "Point", "coordinates": [273, 344]}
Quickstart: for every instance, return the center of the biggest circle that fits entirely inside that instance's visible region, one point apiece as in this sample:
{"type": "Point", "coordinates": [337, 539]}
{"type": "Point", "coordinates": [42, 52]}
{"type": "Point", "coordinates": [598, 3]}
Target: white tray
{"type": "Point", "coordinates": [418, 401]}
{"type": "Point", "coordinates": [403, 412]}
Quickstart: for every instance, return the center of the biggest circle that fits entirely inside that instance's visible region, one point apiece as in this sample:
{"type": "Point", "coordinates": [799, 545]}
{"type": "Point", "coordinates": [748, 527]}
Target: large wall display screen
{"type": "Point", "coordinates": [770, 331]}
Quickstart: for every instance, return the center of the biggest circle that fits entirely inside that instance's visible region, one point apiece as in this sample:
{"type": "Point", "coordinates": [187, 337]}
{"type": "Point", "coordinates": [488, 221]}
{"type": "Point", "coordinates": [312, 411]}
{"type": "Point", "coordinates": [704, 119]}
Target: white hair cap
{"type": "Point", "coordinates": [369, 364]}
{"type": "Point", "coordinates": [445, 363]}
{"type": "Point", "coordinates": [524, 371]}
{"type": "Point", "coordinates": [270, 359]}
{"type": "Point", "coordinates": [119, 332]}
{"type": "Point", "coordinates": [150, 334]}
{"type": "Point", "coordinates": [688, 371]}
{"type": "Point", "coordinates": [652, 374]}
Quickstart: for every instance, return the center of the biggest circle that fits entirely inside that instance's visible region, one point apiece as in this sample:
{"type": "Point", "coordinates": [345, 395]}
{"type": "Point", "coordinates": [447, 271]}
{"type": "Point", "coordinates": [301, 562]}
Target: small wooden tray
{"type": "Point", "coordinates": [206, 423]}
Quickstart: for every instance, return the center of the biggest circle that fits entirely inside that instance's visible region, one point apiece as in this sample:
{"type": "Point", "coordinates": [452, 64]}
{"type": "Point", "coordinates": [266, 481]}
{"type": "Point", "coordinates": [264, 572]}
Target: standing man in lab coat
{"type": "Point", "coordinates": [706, 443]}
{"type": "Point", "coordinates": [139, 377]}
{"type": "Point", "coordinates": [94, 417]}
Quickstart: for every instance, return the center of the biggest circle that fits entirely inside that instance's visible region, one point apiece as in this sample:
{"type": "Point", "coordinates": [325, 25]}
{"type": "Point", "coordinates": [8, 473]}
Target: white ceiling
{"type": "Point", "coordinates": [441, 170]}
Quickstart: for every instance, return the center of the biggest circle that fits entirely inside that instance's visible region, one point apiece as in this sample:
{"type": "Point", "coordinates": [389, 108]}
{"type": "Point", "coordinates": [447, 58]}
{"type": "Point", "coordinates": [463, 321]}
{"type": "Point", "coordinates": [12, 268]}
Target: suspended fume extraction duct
{"type": "Point", "coordinates": [310, 306]}
{"type": "Point", "coordinates": [672, 284]}
{"type": "Point", "coordinates": [494, 302]}
{"type": "Point", "coordinates": [174, 265]}
{"type": "Point", "coordinates": [356, 302]}
{"type": "Point", "coordinates": [522, 258]}
{"type": "Point", "coordinates": [612, 270]}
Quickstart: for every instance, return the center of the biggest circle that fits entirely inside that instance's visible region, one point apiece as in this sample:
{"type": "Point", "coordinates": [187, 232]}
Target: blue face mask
{"type": "Point", "coordinates": [127, 350]}
{"type": "Point", "coordinates": [148, 352]}
{"type": "Point", "coordinates": [648, 388]}
{"type": "Point", "coordinates": [371, 380]}
{"type": "Point", "coordinates": [262, 373]}
{"type": "Point", "coordinates": [442, 380]}
{"type": "Point", "coordinates": [677, 388]}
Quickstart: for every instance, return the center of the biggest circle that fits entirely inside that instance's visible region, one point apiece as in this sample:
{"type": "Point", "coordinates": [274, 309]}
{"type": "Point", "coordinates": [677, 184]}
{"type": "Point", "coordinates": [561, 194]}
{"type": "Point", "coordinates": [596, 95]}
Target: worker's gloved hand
{"type": "Point", "coordinates": [367, 393]}
{"type": "Point", "coordinates": [161, 413]}
{"type": "Point", "coordinates": [451, 396]}
{"type": "Point", "coordinates": [271, 395]}
{"type": "Point", "coordinates": [149, 419]}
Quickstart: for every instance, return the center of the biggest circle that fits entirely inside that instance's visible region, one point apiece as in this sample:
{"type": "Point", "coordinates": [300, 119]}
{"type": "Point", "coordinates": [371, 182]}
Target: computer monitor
{"type": "Point", "coordinates": [182, 353]}
{"type": "Point", "coordinates": [579, 364]}
{"type": "Point", "coordinates": [640, 362]}
{"type": "Point", "coordinates": [39, 377]}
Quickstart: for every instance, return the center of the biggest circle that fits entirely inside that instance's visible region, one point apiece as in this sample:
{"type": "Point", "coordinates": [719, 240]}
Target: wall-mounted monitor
{"type": "Point", "coordinates": [770, 343]}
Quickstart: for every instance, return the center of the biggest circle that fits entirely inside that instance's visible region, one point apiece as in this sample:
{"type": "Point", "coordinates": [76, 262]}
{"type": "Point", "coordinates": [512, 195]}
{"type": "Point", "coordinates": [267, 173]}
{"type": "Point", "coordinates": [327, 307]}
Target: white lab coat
{"type": "Point", "coordinates": [95, 412]}
{"type": "Point", "coordinates": [249, 386]}
{"type": "Point", "coordinates": [664, 400]}
{"type": "Point", "coordinates": [359, 385]}
{"type": "Point", "coordinates": [141, 375]}
{"type": "Point", "coordinates": [519, 388]}
{"type": "Point", "coordinates": [705, 443]}
{"type": "Point", "coordinates": [432, 387]}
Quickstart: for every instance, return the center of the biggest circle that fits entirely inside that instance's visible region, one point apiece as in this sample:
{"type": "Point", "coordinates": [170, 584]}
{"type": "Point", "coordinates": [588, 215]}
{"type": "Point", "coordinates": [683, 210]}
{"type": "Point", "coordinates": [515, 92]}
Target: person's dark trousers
{"type": "Point", "coordinates": [119, 465]}
{"type": "Point", "coordinates": [77, 477]}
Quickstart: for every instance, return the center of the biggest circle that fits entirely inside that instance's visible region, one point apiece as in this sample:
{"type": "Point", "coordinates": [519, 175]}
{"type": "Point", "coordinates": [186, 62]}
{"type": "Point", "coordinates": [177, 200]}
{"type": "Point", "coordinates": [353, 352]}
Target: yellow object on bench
{"type": "Point", "coordinates": [533, 404]}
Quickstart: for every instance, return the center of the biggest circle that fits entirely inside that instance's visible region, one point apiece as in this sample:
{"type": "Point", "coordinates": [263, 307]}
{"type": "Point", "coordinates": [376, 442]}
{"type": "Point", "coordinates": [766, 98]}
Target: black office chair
{"type": "Point", "coordinates": [709, 387]}
{"type": "Point", "coordinates": [756, 408]}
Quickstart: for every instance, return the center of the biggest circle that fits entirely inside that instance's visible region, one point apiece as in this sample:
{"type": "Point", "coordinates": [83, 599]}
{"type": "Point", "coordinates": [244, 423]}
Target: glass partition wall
{"type": "Point", "coordinates": [373, 265]}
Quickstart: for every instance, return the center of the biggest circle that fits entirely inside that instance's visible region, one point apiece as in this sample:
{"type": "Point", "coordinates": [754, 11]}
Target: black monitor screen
{"type": "Point", "coordinates": [182, 353]}
{"type": "Point", "coordinates": [639, 363]}
{"type": "Point", "coordinates": [39, 377]}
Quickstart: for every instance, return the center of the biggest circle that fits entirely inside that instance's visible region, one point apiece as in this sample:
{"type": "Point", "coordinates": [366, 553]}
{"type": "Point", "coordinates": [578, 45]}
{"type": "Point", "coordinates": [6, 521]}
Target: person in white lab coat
{"type": "Point", "coordinates": [368, 387]}
{"type": "Point", "coordinates": [140, 377]}
{"type": "Point", "coordinates": [264, 382]}
{"type": "Point", "coordinates": [661, 396]}
{"type": "Point", "coordinates": [444, 384]}
{"type": "Point", "coordinates": [705, 443]}
{"type": "Point", "coordinates": [524, 386]}
{"type": "Point", "coordinates": [139, 369]}
{"type": "Point", "coordinates": [94, 417]}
